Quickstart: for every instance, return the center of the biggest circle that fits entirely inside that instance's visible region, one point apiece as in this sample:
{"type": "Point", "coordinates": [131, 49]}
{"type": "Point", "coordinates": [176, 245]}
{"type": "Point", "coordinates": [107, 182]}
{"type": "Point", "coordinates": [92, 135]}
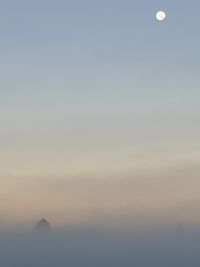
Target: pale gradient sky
{"type": "Point", "coordinates": [98, 89]}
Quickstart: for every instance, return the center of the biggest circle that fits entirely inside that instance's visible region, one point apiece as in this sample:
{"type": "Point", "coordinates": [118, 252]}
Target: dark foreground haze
{"type": "Point", "coordinates": [98, 247]}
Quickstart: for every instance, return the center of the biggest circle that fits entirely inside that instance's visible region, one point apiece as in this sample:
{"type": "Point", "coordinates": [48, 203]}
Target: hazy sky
{"type": "Point", "coordinates": [99, 90]}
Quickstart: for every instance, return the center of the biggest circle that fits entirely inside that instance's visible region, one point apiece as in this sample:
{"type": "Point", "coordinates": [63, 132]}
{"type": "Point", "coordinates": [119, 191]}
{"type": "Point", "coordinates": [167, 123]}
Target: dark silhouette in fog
{"type": "Point", "coordinates": [43, 226]}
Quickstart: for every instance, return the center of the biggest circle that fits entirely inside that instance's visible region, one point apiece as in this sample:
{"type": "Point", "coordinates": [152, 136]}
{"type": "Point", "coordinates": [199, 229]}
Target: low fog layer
{"type": "Point", "coordinates": [99, 247]}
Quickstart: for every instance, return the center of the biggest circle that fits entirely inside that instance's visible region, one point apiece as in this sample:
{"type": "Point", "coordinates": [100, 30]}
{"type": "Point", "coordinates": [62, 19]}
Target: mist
{"type": "Point", "coordinates": [100, 246]}
{"type": "Point", "coordinates": [140, 219]}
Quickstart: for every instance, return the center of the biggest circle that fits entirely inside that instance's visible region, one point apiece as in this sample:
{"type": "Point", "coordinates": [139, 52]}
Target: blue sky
{"type": "Point", "coordinates": [108, 50]}
{"type": "Point", "coordinates": [98, 87]}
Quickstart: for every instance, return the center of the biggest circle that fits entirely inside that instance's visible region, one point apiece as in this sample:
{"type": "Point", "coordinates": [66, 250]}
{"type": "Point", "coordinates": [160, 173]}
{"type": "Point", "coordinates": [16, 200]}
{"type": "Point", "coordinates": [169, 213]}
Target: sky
{"type": "Point", "coordinates": [99, 111]}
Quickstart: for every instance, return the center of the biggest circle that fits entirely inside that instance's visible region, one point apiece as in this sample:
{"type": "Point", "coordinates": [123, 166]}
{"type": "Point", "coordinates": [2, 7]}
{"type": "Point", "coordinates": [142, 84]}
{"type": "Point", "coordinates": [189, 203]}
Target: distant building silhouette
{"type": "Point", "coordinates": [43, 226]}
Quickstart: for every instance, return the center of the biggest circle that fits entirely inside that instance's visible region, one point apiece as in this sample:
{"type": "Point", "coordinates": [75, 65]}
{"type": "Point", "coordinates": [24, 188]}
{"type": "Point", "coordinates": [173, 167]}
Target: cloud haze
{"type": "Point", "coordinates": [149, 196]}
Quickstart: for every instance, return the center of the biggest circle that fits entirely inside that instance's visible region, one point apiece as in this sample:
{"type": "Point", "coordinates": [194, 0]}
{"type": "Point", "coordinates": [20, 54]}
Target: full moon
{"type": "Point", "coordinates": [160, 15]}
